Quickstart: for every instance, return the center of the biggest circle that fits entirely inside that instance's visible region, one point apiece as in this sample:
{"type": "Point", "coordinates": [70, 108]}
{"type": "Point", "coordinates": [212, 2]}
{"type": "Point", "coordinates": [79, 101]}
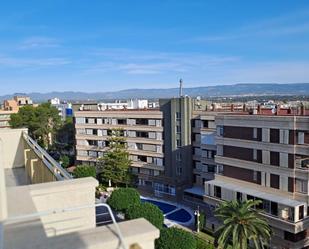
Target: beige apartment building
{"type": "Point", "coordinates": [142, 129]}
{"type": "Point", "coordinates": [266, 157]}
{"type": "Point", "coordinates": [158, 140]}
{"type": "Point", "coordinates": [5, 117]}
{"type": "Point", "coordinates": [41, 206]}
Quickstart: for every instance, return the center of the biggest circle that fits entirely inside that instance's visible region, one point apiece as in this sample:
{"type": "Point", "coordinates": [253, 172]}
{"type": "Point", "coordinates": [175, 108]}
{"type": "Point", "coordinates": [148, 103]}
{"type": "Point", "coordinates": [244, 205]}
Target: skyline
{"type": "Point", "coordinates": [110, 46]}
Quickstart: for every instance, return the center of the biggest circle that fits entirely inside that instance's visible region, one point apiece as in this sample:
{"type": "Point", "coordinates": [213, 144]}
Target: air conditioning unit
{"type": "Point", "coordinates": [302, 162]}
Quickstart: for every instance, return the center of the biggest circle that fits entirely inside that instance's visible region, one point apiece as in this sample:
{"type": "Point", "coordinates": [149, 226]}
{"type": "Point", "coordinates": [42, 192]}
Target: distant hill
{"type": "Point", "coordinates": [207, 91]}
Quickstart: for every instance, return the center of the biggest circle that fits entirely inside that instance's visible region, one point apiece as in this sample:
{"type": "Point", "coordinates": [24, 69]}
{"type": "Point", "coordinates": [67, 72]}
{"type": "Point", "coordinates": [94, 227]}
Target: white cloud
{"type": "Point", "coordinates": [291, 24]}
{"type": "Point", "coordinates": [32, 62]}
{"type": "Point", "coordinates": [38, 42]}
{"type": "Point", "coordinates": [149, 62]}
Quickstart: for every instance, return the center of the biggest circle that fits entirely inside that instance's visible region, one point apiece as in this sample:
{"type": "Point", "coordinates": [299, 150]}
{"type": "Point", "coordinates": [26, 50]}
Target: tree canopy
{"type": "Point", "coordinates": [122, 198]}
{"type": "Point", "coordinates": [175, 238]}
{"type": "Point", "coordinates": [84, 171]}
{"type": "Point", "coordinates": [115, 163]}
{"type": "Point", "coordinates": [42, 122]}
{"type": "Point", "coordinates": [146, 210]}
{"type": "Point", "coordinates": [241, 223]}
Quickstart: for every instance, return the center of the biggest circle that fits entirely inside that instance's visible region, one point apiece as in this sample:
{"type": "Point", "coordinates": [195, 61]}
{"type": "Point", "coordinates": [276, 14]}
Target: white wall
{"type": "Point", "coordinates": [12, 154]}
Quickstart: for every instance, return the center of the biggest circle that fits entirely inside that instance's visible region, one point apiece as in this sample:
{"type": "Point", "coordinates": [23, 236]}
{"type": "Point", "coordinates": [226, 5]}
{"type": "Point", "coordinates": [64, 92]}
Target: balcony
{"type": "Point", "coordinates": [279, 208]}
{"type": "Point", "coordinates": [41, 206]}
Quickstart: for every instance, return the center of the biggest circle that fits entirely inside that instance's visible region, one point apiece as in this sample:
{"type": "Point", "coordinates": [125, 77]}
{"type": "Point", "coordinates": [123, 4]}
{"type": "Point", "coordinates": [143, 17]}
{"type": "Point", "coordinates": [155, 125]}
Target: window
{"type": "Point", "coordinates": [301, 186]}
{"type": "Point", "coordinates": [208, 138]}
{"type": "Point", "coordinates": [211, 168]}
{"type": "Point", "coordinates": [254, 133]}
{"type": "Point", "coordinates": [178, 129]}
{"type": "Point", "coordinates": [219, 169]}
{"type": "Point", "coordinates": [178, 142]}
{"type": "Point", "coordinates": [301, 138]}
{"type": "Point", "coordinates": [254, 154]}
{"type": "Point", "coordinates": [239, 196]}
{"type": "Point", "coordinates": [178, 156]}
{"type": "Point", "coordinates": [301, 212]}
{"type": "Point", "coordinates": [217, 192]}
{"type": "Point", "coordinates": [274, 181]}
{"type": "Point", "coordinates": [178, 116]}
{"type": "Point", "coordinates": [255, 176]}
{"type": "Point", "coordinates": [274, 208]}
{"type": "Point", "coordinates": [220, 130]}
{"type": "Point", "coordinates": [178, 170]}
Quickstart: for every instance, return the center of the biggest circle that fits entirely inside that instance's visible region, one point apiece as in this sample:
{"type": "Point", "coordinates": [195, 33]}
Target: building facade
{"type": "Point", "coordinates": [265, 157]}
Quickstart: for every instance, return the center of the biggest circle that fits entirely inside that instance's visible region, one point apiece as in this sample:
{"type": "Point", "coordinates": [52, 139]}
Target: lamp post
{"type": "Point", "coordinates": [197, 214]}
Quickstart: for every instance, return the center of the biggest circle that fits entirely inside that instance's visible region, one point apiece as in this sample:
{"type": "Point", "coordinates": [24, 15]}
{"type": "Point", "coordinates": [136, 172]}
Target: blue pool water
{"type": "Point", "coordinates": [165, 208]}
{"type": "Point", "coordinates": [180, 216]}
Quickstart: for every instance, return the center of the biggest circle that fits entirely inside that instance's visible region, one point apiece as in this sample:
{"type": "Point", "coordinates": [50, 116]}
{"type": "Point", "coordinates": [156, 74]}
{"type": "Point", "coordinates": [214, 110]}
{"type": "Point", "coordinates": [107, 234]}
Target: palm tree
{"type": "Point", "coordinates": [241, 224]}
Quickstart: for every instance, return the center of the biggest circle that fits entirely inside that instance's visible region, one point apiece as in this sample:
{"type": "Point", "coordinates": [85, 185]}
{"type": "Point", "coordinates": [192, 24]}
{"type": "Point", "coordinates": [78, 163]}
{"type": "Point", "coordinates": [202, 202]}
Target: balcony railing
{"type": "Point", "coordinates": [57, 170]}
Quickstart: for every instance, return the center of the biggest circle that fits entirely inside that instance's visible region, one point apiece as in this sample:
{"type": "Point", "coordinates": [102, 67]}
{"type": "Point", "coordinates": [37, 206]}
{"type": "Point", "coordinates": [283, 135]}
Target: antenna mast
{"type": "Point", "coordinates": [180, 88]}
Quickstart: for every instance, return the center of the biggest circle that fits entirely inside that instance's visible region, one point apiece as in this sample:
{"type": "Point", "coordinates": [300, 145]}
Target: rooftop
{"type": "Point", "coordinates": [41, 206]}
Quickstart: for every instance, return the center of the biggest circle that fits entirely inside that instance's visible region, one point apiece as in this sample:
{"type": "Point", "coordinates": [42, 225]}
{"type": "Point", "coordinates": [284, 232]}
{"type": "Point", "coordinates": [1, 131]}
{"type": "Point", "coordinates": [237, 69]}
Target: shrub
{"type": "Point", "coordinates": [148, 211]}
{"type": "Point", "coordinates": [202, 244]}
{"type": "Point", "coordinates": [175, 238]}
{"type": "Point", "coordinates": [122, 198]}
{"type": "Point", "coordinates": [84, 171]}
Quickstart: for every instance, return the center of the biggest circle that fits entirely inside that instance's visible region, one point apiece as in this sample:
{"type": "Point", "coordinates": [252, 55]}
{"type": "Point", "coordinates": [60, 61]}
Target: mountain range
{"type": "Point", "coordinates": [250, 89]}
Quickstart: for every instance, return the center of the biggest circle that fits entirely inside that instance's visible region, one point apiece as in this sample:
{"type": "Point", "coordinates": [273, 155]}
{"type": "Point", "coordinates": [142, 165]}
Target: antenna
{"type": "Point", "coordinates": [180, 88]}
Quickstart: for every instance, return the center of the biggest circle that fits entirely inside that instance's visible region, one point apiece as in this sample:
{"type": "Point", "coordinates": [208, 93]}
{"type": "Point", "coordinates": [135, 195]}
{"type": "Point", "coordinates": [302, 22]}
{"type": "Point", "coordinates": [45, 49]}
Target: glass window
{"type": "Point", "coordinates": [301, 186]}
{"type": "Point", "coordinates": [217, 191]}
{"type": "Point", "coordinates": [220, 130]}
{"type": "Point", "coordinates": [208, 138]}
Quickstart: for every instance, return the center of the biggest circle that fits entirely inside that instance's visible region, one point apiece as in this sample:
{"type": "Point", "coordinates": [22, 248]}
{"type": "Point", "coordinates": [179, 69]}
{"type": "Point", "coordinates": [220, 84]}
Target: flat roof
{"type": "Point", "coordinates": [257, 193]}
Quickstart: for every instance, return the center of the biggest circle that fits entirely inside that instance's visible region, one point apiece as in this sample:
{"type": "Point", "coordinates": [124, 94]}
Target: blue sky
{"type": "Point", "coordinates": [106, 45]}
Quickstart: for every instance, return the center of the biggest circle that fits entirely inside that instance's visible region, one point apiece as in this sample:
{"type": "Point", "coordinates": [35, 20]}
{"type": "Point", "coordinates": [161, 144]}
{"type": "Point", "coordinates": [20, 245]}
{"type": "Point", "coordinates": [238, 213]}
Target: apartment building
{"type": "Point", "coordinates": [264, 156]}
{"type": "Point", "coordinates": [17, 102]}
{"type": "Point", "coordinates": [41, 206]}
{"type": "Point", "coordinates": [158, 140]}
{"type": "Point", "coordinates": [5, 117]}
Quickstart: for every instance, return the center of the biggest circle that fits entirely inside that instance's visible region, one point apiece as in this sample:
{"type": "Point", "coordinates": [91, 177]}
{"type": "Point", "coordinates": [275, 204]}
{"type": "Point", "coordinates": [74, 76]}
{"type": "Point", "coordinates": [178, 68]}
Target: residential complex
{"type": "Point", "coordinates": [265, 157]}
{"type": "Point", "coordinates": [157, 153]}
{"type": "Point", "coordinates": [189, 150]}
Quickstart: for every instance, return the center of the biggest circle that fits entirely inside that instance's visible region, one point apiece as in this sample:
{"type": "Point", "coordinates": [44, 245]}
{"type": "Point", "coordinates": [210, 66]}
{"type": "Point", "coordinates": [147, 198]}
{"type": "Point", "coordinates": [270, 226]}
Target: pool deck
{"type": "Point", "coordinates": [168, 222]}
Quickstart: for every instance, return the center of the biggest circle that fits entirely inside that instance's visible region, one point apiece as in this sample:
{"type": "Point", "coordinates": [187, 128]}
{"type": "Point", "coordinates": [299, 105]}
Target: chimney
{"type": "Point", "coordinates": [180, 88]}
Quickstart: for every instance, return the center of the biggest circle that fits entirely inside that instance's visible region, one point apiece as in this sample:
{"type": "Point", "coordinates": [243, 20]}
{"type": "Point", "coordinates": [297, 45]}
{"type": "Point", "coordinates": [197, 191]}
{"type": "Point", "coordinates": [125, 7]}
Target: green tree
{"type": "Point", "coordinates": [65, 161]}
{"type": "Point", "coordinates": [175, 238]}
{"type": "Point", "coordinates": [65, 136]}
{"type": "Point", "coordinates": [202, 244]}
{"type": "Point", "coordinates": [202, 220]}
{"type": "Point", "coordinates": [84, 171]}
{"type": "Point", "coordinates": [42, 122]}
{"type": "Point", "coordinates": [146, 210]}
{"type": "Point", "coordinates": [122, 198]}
{"type": "Point", "coordinates": [115, 163]}
{"type": "Point", "coordinates": [241, 223]}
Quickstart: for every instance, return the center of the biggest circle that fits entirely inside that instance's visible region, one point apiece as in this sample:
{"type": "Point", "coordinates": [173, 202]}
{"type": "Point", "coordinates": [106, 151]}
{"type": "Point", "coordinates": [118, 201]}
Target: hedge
{"type": "Point", "coordinates": [175, 238]}
{"type": "Point", "coordinates": [148, 211]}
{"type": "Point", "coordinates": [122, 198]}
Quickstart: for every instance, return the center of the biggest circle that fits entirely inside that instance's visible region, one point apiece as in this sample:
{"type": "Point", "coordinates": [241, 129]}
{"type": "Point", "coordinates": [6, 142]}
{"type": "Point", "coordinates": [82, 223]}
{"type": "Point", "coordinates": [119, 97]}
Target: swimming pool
{"type": "Point", "coordinates": [165, 207]}
{"type": "Point", "coordinates": [172, 212]}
